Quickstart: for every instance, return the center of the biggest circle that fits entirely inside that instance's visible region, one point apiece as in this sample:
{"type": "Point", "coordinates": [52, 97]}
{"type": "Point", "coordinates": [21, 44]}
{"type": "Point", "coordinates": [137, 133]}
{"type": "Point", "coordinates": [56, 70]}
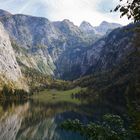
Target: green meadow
{"type": "Point", "coordinates": [54, 96]}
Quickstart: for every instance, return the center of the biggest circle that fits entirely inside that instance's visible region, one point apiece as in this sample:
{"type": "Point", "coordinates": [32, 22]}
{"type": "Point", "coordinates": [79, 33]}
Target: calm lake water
{"type": "Point", "coordinates": [35, 120]}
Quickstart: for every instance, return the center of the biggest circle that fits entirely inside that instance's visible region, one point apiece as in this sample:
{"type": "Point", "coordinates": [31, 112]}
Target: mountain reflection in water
{"type": "Point", "coordinates": [34, 120]}
{"type": "Point", "coordinates": [38, 121]}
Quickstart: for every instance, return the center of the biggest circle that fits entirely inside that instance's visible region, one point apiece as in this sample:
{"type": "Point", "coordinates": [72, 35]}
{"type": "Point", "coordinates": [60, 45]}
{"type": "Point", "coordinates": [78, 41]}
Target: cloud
{"type": "Point", "coordinates": [94, 11]}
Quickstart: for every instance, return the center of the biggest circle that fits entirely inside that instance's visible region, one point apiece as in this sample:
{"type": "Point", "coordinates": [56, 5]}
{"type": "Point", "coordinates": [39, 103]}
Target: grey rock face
{"type": "Point", "coordinates": [101, 30]}
{"type": "Point", "coordinates": [34, 35]}
{"type": "Point", "coordinates": [112, 49]}
{"type": "Point", "coordinates": [43, 40]}
{"type": "Point", "coordinates": [103, 55]}
{"type": "Point", "coordinates": [104, 27]}
{"type": "Point", "coordinates": [65, 50]}
{"type": "Point", "coordinates": [9, 69]}
{"type": "Point", "coordinates": [87, 28]}
{"type": "Point", "coordinates": [30, 31]}
{"type": "Point", "coordinates": [90, 32]}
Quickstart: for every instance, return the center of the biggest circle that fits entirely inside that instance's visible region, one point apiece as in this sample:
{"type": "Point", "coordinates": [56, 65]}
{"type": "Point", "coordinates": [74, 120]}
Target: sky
{"type": "Point", "coordinates": [93, 11]}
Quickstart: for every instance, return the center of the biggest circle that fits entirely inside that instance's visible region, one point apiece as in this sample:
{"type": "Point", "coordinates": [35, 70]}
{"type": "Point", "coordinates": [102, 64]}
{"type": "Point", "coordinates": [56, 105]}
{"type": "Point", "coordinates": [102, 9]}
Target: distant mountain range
{"type": "Point", "coordinates": [62, 49]}
{"type": "Point", "coordinates": [102, 29]}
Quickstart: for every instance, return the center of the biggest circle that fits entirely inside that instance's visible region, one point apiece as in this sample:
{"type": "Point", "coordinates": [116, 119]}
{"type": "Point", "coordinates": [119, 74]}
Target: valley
{"type": "Point", "coordinates": [58, 71]}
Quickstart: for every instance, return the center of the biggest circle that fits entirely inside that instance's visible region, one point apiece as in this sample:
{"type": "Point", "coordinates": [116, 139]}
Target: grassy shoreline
{"type": "Point", "coordinates": [54, 96]}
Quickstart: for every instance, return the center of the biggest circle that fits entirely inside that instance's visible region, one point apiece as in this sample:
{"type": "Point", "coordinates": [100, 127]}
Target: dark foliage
{"type": "Point", "coordinates": [10, 94]}
{"type": "Point", "coordinates": [131, 9]}
{"type": "Point", "coordinates": [111, 128]}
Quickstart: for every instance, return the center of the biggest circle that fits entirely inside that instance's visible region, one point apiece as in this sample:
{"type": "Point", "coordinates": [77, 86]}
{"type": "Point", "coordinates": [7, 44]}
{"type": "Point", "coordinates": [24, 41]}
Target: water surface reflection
{"type": "Point", "coordinates": [34, 120]}
{"type": "Point", "coordinates": [37, 121]}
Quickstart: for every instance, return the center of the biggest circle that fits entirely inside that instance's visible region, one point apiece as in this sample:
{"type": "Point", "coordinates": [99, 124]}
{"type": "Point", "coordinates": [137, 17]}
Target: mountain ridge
{"type": "Point", "coordinates": [98, 30]}
{"type": "Point", "coordinates": [60, 49]}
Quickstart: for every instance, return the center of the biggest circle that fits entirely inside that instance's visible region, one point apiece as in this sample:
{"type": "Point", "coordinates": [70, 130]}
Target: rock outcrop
{"type": "Point", "coordinates": [9, 69]}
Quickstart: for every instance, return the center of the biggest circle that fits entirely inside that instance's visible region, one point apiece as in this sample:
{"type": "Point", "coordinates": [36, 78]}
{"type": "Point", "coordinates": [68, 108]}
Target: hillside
{"type": "Point", "coordinates": [10, 72]}
{"type": "Point", "coordinates": [63, 50]}
{"type": "Point", "coordinates": [52, 48]}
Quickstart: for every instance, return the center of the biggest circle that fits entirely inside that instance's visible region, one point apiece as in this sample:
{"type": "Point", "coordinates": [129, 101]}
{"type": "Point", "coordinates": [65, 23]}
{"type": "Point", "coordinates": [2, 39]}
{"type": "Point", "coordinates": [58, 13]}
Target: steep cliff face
{"type": "Point", "coordinates": [103, 55]}
{"type": "Point", "coordinates": [41, 41]}
{"type": "Point", "coordinates": [115, 48]}
{"type": "Point", "coordinates": [64, 50]}
{"type": "Point", "coordinates": [87, 28]}
{"type": "Point", "coordinates": [90, 32]}
{"type": "Point", "coordinates": [9, 69]}
{"type": "Point", "coordinates": [74, 36]}
{"type": "Point", "coordinates": [36, 36]}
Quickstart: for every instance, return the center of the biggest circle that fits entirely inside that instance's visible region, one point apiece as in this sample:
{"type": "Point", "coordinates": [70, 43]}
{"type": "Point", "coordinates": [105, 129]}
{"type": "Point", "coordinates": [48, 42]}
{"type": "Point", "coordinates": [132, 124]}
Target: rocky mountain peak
{"type": "Point", "coordinates": [102, 29]}
{"type": "Point", "coordinates": [67, 21]}
{"type": "Point", "coordinates": [69, 24]}
{"type": "Point", "coordinates": [4, 13]}
{"type": "Point", "coordinates": [105, 26]}
{"type": "Point", "coordinates": [86, 27]}
{"type": "Point", "coordinates": [57, 48]}
{"type": "Point", "coordinates": [105, 23]}
{"type": "Point", "coordinates": [68, 29]}
{"type": "Point", "coordinates": [85, 23]}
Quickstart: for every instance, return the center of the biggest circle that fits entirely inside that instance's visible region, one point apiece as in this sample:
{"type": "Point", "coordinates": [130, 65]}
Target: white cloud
{"type": "Point", "coordinates": [93, 11]}
{"type": "Point", "coordinates": [79, 10]}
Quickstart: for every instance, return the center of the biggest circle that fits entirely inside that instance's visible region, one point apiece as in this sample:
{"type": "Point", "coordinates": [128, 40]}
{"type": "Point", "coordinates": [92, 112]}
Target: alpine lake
{"type": "Point", "coordinates": [39, 118]}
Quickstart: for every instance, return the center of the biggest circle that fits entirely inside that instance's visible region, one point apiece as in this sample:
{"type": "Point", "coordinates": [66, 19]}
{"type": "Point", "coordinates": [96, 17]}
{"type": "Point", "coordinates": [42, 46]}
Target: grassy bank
{"type": "Point", "coordinates": [53, 96]}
